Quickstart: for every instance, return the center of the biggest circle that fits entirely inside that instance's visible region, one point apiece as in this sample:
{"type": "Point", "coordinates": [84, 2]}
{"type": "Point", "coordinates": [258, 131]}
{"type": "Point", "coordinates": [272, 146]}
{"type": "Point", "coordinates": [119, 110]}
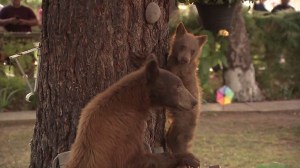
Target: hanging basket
{"type": "Point", "coordinates": [215, 17]}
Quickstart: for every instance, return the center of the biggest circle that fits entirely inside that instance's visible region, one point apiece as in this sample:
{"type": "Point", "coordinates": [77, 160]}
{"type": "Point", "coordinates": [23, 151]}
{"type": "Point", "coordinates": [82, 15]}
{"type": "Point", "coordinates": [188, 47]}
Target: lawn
{"type": "Point", "coordinates": [249, 140]}
{"type": "Point", "coordinates": [15, 145]}
{"type": "Point", "coordinates": [232, 140]}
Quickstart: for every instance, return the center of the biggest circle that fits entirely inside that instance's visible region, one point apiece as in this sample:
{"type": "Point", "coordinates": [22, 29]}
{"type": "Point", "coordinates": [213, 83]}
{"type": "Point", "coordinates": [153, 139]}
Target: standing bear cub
{"type": "Point", "coordinates": [110, 131]}
{"type": "Point", "coordinates": [183, 61]}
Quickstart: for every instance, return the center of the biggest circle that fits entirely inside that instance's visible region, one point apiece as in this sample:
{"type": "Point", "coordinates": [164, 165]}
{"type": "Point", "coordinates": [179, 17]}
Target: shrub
{"type": "Point", "coordinates": [12, 94]}
{"type": "Point", "coordinates": [275, 49]}
{"type": "Point", "coordinates": [6, 97]}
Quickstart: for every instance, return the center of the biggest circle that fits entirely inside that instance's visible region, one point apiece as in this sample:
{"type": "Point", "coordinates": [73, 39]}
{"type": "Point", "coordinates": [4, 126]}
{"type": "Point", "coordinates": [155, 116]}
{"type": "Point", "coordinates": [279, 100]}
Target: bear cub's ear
{"type": "Point", "coordinates": [152, 69]}
{"type": "Point", "coordinates": [202, 39]}
{"type": "Point", "coordinates": [180, 30]}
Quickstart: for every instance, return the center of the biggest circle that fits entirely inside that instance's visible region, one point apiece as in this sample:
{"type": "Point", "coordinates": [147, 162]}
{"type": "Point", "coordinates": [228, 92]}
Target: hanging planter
{"type": "Point", "coordinates": [215, 14]}
{"type": "Point", "coordinates": [215, 17]}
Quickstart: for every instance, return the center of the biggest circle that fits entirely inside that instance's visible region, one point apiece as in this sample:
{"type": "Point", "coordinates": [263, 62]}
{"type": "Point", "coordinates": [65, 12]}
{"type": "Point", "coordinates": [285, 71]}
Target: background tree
{"type": "Point", "coordinates": [240, 75]}
{"type": "Point", "coordinates": [86, 46]}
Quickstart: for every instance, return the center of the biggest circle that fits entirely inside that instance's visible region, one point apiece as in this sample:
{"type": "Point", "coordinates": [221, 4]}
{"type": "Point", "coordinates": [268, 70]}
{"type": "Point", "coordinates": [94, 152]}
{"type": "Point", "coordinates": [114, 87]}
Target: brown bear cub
{"type": "Point", "coordinates": [110, 131]}
{"type": "Point", "coordinates": [183, 61]}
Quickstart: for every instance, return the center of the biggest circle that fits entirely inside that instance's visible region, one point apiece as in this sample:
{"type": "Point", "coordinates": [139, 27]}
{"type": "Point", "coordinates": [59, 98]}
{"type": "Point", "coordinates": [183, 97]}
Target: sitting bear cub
{"type": "Point", "coordinates": [110, 131]}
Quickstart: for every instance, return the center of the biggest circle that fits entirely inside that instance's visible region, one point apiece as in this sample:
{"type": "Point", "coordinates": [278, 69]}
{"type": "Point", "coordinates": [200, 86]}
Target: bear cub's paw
{"type": "Point", "coordinates": [187, 160]}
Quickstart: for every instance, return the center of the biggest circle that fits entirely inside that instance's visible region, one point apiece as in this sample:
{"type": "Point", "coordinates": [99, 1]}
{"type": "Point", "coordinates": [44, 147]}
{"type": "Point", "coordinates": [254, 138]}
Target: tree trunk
{"type": "Point", "coordinates": [240, 75]}
{"type": "Point", "coordinates": [86, 46]}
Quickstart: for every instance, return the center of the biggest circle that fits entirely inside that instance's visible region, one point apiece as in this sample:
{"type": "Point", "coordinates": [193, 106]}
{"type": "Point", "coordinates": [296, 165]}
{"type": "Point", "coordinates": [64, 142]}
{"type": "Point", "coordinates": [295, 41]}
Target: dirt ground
{"type": "Point", "coordinates": [233, 140]}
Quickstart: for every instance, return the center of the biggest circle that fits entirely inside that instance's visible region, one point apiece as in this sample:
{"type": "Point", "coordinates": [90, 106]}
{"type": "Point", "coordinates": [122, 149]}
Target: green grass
{"type": "Point", "coordinates": [232, 140]}
{"type": "Point", "coordinates": [273, 165]}
{"type": "Point", "coordinates": [250, 141]}
{"type": "Point", "coordinates": [14, 146]}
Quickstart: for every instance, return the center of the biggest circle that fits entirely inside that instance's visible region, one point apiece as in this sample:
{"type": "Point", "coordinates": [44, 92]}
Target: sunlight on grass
{"type": "Point", "coordinates": [248, 143]}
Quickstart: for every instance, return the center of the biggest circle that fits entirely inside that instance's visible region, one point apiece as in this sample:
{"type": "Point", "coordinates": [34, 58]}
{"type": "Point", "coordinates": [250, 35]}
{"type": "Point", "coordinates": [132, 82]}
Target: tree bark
{"type": "Point", "coordinates": [86, 46]}
{"type": "Point", "coordinates": [240, 75]}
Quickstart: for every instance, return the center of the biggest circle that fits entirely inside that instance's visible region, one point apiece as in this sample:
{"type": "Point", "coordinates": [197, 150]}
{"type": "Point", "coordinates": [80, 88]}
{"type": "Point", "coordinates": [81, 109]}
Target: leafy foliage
{"type": "Point", "coordinates": [212, 61]}
{"type": "Point", "coordinates": [3, 2]}
{"type": "Point", "coordinates": [31, 3]}
{"type": "Point", "coordinates": [6, 97]}
{"type": "Point", "coordinates": [11, 88]}
{"type": "Point", "coordinates": [11, 44]}
{"type": "Point", "coordinates": [275, 49]}
{"type": "Point", "coordinates": [213, 2]}
{"type": "Point", "coordinates": [12, 84]}
{"type": "Point", "coordinates": [13, 92]}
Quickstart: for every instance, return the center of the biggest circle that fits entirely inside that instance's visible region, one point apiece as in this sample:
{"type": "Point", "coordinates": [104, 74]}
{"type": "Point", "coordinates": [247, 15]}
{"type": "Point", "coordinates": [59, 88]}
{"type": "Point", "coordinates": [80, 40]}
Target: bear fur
{"type": "Point", "coordinates": [110, 130]}
{"type": "Point", "coordinates": [183, 61]}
